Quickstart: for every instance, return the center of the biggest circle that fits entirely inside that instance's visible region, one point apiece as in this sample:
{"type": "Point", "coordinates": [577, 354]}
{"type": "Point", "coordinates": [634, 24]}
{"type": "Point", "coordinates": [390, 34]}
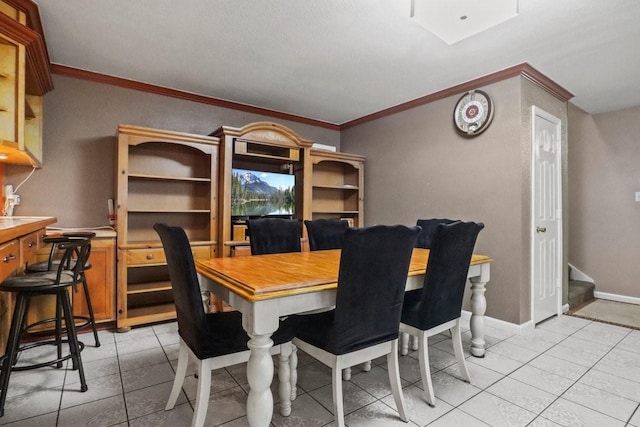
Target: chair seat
{"type": "Point", "coordinates": [223, 334]}
{"type": "Point", "coordinates": [315, 329]}
{"type": "Point", "coordinates": [37, 282]}
{"type": "Point", "coordinates": [413, 312]}
{"type": "Point", "coordinates": [40, 267]}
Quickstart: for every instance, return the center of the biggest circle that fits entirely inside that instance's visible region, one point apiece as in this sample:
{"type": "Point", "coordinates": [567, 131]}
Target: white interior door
{"type": "Point", "coordinates": [547, 216]}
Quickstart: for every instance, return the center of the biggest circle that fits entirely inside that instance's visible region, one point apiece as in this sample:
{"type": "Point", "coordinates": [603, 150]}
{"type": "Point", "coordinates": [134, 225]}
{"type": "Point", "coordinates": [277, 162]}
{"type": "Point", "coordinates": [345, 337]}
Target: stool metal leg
{"type": "Point", "coordinates": [73, 337]}
{"type": "Point", "coordinates": [92, 318]}
{"type": "Point", "coordinates": [59, 329]}
{"type": "Point", "coordinates": [13, 343]}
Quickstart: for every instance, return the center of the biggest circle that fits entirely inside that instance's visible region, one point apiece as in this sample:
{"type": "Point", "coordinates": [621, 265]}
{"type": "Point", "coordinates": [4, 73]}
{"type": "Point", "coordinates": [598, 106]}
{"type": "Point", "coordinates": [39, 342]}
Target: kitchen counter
{"type": "Point", "coordinates": [19, 239]}
{"type": "Point", "coordinates": [101, 232]}
{"type": "Point", "coordinates": [12, 227]}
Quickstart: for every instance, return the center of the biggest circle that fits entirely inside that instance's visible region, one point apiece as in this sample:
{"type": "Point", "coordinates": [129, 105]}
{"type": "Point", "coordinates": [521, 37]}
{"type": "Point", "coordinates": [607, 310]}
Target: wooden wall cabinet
{"type": "Point", "coordinates": [24, 78]}
{"type": "Point", "coordinates": [337, 186]}
{"type": "Point", "coordinates": [168, 177]}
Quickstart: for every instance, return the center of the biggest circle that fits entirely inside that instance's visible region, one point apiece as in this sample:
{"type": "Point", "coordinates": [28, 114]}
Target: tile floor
{"type": "Point", "coordinates": [568, 372]}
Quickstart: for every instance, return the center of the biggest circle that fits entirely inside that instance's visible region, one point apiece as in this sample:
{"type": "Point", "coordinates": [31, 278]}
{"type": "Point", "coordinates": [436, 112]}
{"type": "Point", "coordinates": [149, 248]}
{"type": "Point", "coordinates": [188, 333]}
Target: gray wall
{"type": "Point", "coordinates": [80, 125]}
{"type": "Point", "coordinates": [418, 167]}
{"type": "Point", "coordinates": [604, 232]}
{"type": "Point", "coordinates": [406, 175]}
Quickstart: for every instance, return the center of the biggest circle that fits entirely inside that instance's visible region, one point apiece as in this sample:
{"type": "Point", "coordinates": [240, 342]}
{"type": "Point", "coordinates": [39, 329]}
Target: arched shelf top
{"type": "Point", "coordinates": [266, 132]}
{"type": "Point", "coordinates": [140, 135]}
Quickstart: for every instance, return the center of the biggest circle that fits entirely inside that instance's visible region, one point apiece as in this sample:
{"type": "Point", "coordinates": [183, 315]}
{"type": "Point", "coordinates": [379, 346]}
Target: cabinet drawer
{"type": "Point", "coordinates": [156, 256]}
{"type": "Point", "coordinates": [29, 245]}
{"type": "Point", "coordinates": [145, 256]}
{"type": "Point", "coordinates": [9, 258]}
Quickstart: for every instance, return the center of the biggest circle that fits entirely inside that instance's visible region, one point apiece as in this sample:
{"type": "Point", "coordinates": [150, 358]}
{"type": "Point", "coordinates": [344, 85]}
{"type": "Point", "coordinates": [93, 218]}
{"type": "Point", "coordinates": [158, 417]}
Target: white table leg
{"type": "Point", "coordinates": [404, 343]}
{"type": "Point", "coordinates": [478, 309]}
{"type": "Point", "coordinates": [284, 377]}
{"type": "Point", "coordinates": [259, 376]}
{"type": "Point", "coordinates": [346, 374]}
{"type": "Point", "coordinates": [293, 360]}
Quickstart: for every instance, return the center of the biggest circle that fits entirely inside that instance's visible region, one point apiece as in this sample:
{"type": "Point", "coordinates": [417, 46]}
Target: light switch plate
{"type": "Point", "coordinates": [637, 196]}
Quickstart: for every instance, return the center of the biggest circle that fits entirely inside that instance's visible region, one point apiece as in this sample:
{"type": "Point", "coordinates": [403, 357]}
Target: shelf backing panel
{"type": "Point", "coordinates": [156, 158]}
{"type": "Point", "coordinates": [196, 225]}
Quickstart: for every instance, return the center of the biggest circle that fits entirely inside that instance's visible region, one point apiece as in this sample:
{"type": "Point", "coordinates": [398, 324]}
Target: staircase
{"type": "Point", "coordinates": [580, 292]}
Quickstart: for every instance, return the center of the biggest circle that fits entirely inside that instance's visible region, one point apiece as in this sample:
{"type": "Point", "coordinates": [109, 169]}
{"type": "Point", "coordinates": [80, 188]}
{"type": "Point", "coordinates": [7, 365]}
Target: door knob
{"type": "Point", "coordinates": [541, 229]}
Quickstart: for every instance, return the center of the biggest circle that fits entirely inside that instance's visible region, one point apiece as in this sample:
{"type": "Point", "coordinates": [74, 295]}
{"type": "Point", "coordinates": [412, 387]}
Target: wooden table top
{"type": "Point", "coordinates": [260, 277]}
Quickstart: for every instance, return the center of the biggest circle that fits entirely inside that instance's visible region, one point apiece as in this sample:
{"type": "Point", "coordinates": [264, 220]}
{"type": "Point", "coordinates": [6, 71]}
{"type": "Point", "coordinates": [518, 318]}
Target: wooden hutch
{"type": "Point", "coordinates": [186, 180]}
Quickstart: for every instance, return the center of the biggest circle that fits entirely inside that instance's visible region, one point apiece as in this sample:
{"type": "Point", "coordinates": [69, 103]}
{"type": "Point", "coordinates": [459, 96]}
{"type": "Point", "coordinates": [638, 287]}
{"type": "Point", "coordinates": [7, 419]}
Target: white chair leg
{"type": "Point", "coordinates": [404, 343]}
{"type": "Point", "coordinates": [394, 380]}
{"type": "Point", "coordinates": [202, 395]}
{"type": "Point", "coordinates": [284, 379]}
{"type": "Point", "coordinates": [366, 366]}
{"type": "Point", "coordinates": [338, 404]}
{"type": "Point", "coordinates": [346, 374]}
{"type": "Point", "coordinates": [293, 363]}
{"type": "Point", "coordinates": [456, 337]}
{"type": "Point", "coordinates": [425, 369]}
{"type": "Point", "coordinates": [178, 380]}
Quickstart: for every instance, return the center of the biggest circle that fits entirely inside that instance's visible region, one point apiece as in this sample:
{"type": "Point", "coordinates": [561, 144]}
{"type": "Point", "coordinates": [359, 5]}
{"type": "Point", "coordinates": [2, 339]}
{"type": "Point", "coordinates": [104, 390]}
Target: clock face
{"type": "Point", "coordinates": [473, 113]}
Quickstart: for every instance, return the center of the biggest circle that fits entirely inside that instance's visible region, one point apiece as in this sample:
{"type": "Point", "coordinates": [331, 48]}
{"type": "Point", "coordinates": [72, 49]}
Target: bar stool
{"type": "Point", "coordinates": [52, 264]}
{"type": "Point", "coordinates": [46, 283]}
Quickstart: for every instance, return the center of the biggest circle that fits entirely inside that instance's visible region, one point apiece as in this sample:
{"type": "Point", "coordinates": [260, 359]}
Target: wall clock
{"type": "Point", "coordinates": [473, 113]}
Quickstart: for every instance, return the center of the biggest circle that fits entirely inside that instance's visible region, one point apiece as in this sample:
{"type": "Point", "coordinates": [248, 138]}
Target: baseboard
{"type": "Point", "coordinates": [565, 308]}
{"type": "Point", "coordinates": [576, 274]}
{"type": "Point", "coordinates": [616, 297]}
{"type": "Point", "coordinates": [490, 322]}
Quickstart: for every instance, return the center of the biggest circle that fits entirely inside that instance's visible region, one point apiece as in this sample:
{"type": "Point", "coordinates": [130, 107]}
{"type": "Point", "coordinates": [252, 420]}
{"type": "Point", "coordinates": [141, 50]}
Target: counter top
{"type": "Point", "coordinates": [101, 232]}
{"type": "Point", "coordinates": [12, 227]}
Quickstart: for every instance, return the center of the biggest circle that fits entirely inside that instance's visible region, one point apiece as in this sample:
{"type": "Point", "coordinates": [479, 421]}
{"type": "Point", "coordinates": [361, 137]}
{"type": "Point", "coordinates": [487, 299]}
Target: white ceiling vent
{"type": "Point", "coordinates": [455, 20]}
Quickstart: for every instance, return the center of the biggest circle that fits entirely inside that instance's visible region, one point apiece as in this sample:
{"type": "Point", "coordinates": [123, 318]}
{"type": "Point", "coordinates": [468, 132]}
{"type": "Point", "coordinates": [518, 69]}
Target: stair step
{"type": "Point", "coordinates": [580, 292]}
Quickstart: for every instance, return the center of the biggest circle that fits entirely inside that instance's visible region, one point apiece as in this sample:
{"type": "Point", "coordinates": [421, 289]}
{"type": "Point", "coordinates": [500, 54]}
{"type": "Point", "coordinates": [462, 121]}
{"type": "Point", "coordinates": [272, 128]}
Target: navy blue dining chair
{"type": "Point", "coordinates": [437, 307]}
{"type": "Point", "coordinates": [325, 233]}
{"type": "Point", "coordinates": [210, 340]}
{"type": "Point", "coordinates": [429, 227]}
{"type": "Point", "coordinates": [274, 235]}
{"type": "Point", "coordinates": [374, 262]}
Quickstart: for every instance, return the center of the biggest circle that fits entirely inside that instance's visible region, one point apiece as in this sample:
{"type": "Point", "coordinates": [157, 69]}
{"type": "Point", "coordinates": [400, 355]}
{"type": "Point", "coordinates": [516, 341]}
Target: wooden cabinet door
{"type": "Point", "coordinates": [101, 282]}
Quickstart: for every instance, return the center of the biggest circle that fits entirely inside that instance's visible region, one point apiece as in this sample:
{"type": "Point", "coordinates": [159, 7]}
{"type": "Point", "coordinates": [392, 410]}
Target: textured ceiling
{"type": "Point", "coordinates": [339, 60]}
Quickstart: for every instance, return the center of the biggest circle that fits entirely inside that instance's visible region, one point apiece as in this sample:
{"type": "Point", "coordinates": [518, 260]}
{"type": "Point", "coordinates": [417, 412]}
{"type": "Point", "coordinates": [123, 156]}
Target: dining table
{"type": "Point", "coordinates": [266, 288]}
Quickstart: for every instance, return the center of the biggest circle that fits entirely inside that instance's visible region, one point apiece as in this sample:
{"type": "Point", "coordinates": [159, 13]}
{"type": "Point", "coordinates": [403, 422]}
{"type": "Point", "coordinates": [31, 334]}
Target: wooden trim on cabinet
{"type": "Point", "coordinates": [77, 73]}
{"type": "Point", "coordinates": [32, 13]}
{"type": "Point", "coordinates": [525, 70]}
{"type": "Point", "coordinates": [39, 79]}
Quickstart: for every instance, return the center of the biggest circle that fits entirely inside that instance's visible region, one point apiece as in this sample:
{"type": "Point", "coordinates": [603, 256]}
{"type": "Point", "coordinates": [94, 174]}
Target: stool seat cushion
{"type": "Point", "coordinates": [39, 267]}
{"type": "Point", "coordinates": [38, 282]}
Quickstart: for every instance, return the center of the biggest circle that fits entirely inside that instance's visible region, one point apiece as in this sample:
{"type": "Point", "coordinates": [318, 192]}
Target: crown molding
{"type": "Point", "coordinates": [77, 73]}
{"type": "Point", "coordinates": [525, 70]}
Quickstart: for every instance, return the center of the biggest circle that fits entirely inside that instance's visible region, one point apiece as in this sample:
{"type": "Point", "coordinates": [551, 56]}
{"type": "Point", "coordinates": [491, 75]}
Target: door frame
{"type": "Point", "coordinates": [537, 112]}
